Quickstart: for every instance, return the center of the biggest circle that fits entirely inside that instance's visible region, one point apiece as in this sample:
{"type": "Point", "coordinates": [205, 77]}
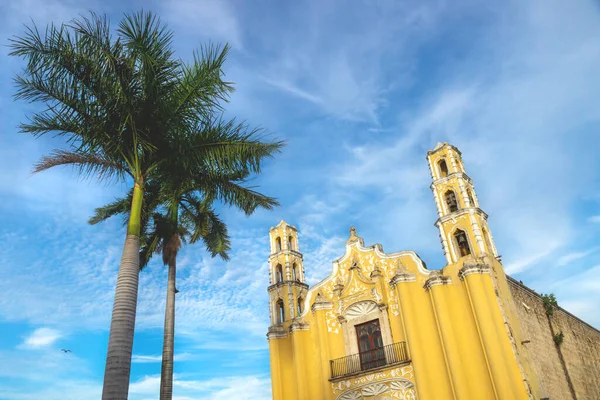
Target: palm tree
{"type": "Point", "coordinates": [177, 210]}
{"type": "Point", "coordinates": [120, 104]}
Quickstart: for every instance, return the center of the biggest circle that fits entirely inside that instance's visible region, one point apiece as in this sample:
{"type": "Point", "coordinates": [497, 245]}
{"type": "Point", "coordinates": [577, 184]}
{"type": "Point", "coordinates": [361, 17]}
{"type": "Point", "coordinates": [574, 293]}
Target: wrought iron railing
{"type": "Point", "coordinates": [387, 355]}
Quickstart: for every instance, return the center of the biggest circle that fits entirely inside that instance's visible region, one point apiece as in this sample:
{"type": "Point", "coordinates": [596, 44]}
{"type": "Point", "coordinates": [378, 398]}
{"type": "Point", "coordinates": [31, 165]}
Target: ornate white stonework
{"type": "Point", "coordinates": [398, 388]}
{"type": "Point", "coordinates": [359, 309]}
{"type": "Point", "coordinates": [393, 384]}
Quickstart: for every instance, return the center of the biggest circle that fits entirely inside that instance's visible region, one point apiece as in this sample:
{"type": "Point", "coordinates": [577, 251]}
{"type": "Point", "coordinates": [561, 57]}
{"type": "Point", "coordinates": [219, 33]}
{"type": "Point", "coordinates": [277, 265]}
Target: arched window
{"type": "Point", "coordinates": [443, 168]}
{"type": "Point", "coordinates": [279, 273]}
{"type": "Point", "coordinates": [370, 344]}
{"type": "Point", "coordinates": [300, 301]}
{"type": "Point", "coordinates": [278, 244]}
{"type": "Point", "coordinates": [290, 243]}
{"type": "Point", "coordinates": [462, 243]}
{"type": "Point", "coordinates": [451, 201]}
{"type": "Point", "coordinates": [471, 199]}
{"type": "Point", "coordinates": [280, 311]}
{"type": "Point", "coordinates": [294, 272]}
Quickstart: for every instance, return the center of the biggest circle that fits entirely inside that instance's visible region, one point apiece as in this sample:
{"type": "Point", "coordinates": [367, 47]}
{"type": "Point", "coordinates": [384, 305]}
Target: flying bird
{"type": "Point", "coordinates": [66, 351]}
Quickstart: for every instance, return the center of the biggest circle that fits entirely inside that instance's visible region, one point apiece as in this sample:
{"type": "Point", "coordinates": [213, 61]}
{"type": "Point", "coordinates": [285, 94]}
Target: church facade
{"type": "Point", "coordinates": [383, 326]}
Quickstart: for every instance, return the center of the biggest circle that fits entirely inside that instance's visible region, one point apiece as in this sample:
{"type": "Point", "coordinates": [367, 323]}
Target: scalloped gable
{"type": "Point", "coordinates": [406, 262]}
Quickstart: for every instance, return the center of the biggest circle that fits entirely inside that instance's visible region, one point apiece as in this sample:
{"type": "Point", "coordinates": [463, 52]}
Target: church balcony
{"type": "Point", "coordinates": [370, 360]}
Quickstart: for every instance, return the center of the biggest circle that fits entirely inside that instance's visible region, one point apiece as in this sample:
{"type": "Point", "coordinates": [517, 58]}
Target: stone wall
{"type": "Point", "coordinates": [580, 348]}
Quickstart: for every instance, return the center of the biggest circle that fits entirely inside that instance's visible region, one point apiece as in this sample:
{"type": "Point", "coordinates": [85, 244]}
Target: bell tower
{"type": "Point", "coordinates": [462, 223]}
{"type": "Point", "coordinates": [287, 289]}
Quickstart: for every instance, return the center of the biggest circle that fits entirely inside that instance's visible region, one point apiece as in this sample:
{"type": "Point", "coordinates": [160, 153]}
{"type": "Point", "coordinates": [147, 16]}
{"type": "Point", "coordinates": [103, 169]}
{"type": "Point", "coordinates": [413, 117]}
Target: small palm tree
{"type": "Point", "coordinates": [180, 211]}
{"type": "Point", "coordinates": [121, 104]}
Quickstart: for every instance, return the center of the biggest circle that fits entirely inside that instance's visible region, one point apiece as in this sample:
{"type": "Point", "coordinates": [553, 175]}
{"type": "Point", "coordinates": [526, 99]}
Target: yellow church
{"type": "Point", "coordinates": [383, 326]}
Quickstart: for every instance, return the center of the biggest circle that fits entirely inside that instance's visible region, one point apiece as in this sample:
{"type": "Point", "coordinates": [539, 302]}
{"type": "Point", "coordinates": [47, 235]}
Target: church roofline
{"type": "Point", "coordinates": [283, 223]}
{"type": "Point", "coordinates": [441, 146]}
{"type": "Point", "coordinates": [360, 247]}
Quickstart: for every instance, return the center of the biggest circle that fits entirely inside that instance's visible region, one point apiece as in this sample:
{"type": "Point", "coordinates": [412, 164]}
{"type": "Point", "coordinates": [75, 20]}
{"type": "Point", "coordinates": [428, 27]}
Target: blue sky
{"type": "Point", "coordinates": [360, 91]}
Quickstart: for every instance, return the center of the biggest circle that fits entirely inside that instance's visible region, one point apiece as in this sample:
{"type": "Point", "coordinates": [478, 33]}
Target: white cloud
{"type": "Point", "coordinates": [577, 294]}
{"type": "Point", "coordinates": [347, 66]}
{"type": "Point", "coordinates": [143, 359]}
{"type": "Point", "coordinates": [41, 337]}
{"type": "Point", "coordinates": [137, 358]}
{"type": "Point", "coordinates": [226, 387]}
{"type": "Point", "coordinates": [64, 389]}
{"type": "Point", "coordinates": [595, 219]}
{"type": "Point", "coordinates": [568, 258]}
{"type": "Point", "coordinates": [212, 20]}
{"type": "Point", "coordinates": [521, 264]}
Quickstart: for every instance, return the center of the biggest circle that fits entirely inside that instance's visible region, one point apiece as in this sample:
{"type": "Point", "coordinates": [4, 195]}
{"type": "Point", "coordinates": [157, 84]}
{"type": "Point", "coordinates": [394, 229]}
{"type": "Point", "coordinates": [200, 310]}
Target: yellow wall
{"type": "Point", "coordinates": [459, 323]}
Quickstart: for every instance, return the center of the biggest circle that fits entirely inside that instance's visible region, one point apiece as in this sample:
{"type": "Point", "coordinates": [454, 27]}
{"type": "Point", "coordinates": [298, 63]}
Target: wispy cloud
{"type": "Point", "coordinates": [144, 359]}
{"type": "Point", "coordinates": [212, 20]}
{"type": "Point", "coordinates": [361, 92]}
{"type": "Point", "coordinates": [41, 337]}
{"type": "Point", "coordinates": [225, 387]}
{"type": "Point", "coordinates": [568, 258]}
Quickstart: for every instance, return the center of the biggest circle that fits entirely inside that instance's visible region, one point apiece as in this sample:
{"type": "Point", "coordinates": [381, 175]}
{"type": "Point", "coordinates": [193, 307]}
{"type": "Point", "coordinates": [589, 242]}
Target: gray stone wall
{"type": "Point", "coordinates": [580, 348]}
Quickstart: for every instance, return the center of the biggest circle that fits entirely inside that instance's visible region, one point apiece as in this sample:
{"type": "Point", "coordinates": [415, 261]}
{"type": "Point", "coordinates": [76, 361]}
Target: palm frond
{"type": "Point", "coordinates": [231, 145]}
{"type": "Point", "coordinates": [149, 245]}
{"type": "Point", "coordinates": [244, 198]}
{"type": "Point", "coordinates": [87, 164]}
{"type": "Point", "coordinates": [118, 207]}
{"type": "Point", "coordinates": [202, 89]}
{"type": "Point", "coordinates": [206, 225]}
{"type": "Point", "coordinates": [217, 241]}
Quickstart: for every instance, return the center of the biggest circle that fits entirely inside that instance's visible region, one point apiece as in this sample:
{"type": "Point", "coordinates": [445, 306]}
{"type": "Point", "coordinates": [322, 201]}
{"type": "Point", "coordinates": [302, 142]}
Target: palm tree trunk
{"type": "Point", "coordinates": [120, 341]}
{"type": "Point", "coordinates": [166, 374]}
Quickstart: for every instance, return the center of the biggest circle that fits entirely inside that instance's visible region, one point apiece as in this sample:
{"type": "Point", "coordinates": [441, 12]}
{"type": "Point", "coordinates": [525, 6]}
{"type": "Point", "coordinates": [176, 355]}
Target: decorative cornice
{"type": "Point", "coordinates": [338, 288]}
{"type": "Point", "coordinates": [321, 303]}
{"type": "Point", "coordinates": [449, 177]}
{"type": "Point", "coordinates": [402, 276]}
{"type": "Point", "coordinates": [276, 332]}
{"type": "Point", "coordinates": [458, 213]}
{"type": "Point", "coordinates": [303, 286]}
{"type": "Point", "coordinates": [322, 306]}
{"type": "Point", "coordinates": [299, 326]}
{"type": "Point", "coordinates": [436, 278]}
{"type": "Point", "coordinates": [292, 252]}
{"type": "Point", "coordinates": [476, 267]}
{"type": "Point", "coordinates": [376, 273]}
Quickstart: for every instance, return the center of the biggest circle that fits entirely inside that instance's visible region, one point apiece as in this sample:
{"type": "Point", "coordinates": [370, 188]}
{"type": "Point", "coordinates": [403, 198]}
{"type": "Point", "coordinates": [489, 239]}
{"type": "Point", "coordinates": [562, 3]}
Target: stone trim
{"type": "Point", "coordinates": [449, 177]}
{"type": "Point", "coordinates": [322, 306]}
{"type": "Point", "coordinates": [276, 332]}
{"type": "Point", "coordinates": [286, 283]}
{"type": "Point", "coordinates": [299, 326]}
{"type": "Point", "coordinates": [469, 269]}
{"type": "Point", "coordinates": [402, 277]}
{"type": "Point", "coordinates": [442, 146]}
{"type": "Point", "coordinates": [286, 252]}
{"type": "Point", "coordinates": [459, 213]}
{"type": "Point", "coordinates": [377, 388]}
{"type": "Point", "coordinates": [436, 279]}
